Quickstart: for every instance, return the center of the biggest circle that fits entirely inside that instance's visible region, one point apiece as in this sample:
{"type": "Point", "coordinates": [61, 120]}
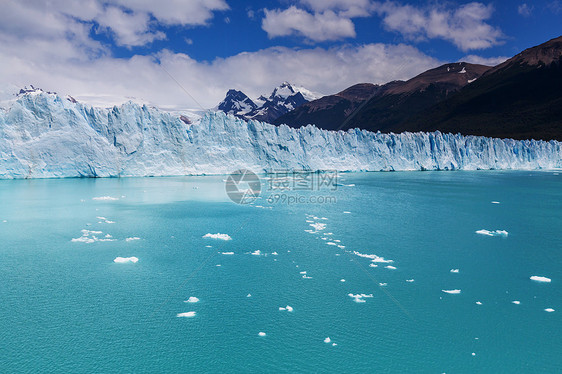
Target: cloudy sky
{"type": "Point", "coordinates": [180, 54]}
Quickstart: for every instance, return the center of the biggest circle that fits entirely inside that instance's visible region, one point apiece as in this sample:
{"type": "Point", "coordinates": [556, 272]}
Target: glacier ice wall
{"type": "Point", "coordinates": [43, 135]}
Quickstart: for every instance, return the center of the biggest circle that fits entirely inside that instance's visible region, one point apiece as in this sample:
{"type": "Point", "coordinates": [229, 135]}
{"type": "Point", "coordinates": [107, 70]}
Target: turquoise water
{"type": "Point", "coordinates": [65, 306]}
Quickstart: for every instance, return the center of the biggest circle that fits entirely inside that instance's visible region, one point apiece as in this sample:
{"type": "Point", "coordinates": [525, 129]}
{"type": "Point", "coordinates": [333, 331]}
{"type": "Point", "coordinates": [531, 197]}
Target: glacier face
{"type": "Point", "coordinates": [43, 135]}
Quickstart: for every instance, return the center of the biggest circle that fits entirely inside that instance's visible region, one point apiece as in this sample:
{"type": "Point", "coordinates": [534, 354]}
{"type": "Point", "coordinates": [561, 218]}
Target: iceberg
{"type": "Point", "coordinates": [46, 136]}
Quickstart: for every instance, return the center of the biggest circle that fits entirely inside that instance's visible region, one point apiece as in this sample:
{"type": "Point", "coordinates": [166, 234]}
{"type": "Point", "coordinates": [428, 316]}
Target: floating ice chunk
{"type": "Point", "coordinates": [318, 226]}
{"type": "Point", "coordinates": [373, 265]}
{"type": "Point", "coordinates": [83, 239]}
{"type": "Point", "coordinates": [374, 258]}
{"type": "Point", "coordinates": [256, 253]}
{"type": "Point", "coordinates": [218, 236]}
{"type": "Point", "coordinates": [474, 354]}
{"type": "Point", "coordinates": [249, 295]}
{"type": "Point", "coordinates": [282, 308]}
{"type": "Point", "coordinates": [360, 297]}
{"type": "Point", "coordinates": [327, 340]}
{"type": "Point", "coordinates": [186, 314]}
{"type": "Point", "coordinates": [133, 238]}
{"type": "Point", "coordinates": [218, 265]}
{"type": "Point", "coordinates": [123, 260]}
{"type": "Point", "coordinates": [454, 270]}
{"type": "Point", "coordinates": [495, 202]}
{"type": "Point", "coordinates": [289, 308]}
{"type": "Point", "coordinates": [516, 302]}
{"type": "Point", "coordinates": [306, 277]}
{"type": "Point", "coordinates": [192, 299]}
{"type": "Point", "coordinates": [342, 280]}
{"type": "Point", "coordinates": [346, 212]}
{"type": "Point", "coordinates": [478, 303]}
{"type": "Point", "coordinates": [549, 310]}
{"type": "Point", "coordinates": [303, 272]}
{"type": "Point", "coordinates": [334, 344]}
{"type": "Point", "coordinates": [383, 284]}
{"type": "Point", "coordinates": [337, 240]}
{"type": "Point", "coordinates": [390, 267]}
{"type": "Point", "coordinates": [349, 185]}
{"type": "Point", "coordinates": [105, 198]}
{"type": "Point", "coordinates": [341, 246]}
{"type": "Point", "coordinates": [329, 233]}
{"type": "Point", "coordinates": [409, 280]}
{"type": "Point", "coordinates": [492, 233]}
{"type": "Point", "coordinates": [331, 243]}
{"type": "Point", "coordinates": [261, 333]}
{"type": "Point", "coordinates": [274, 253]}
{"type": "Point", "coordinates": [537, 278]}
{"type": "Point", "coordinates": [227, 253]}
{"type": "Point", "coordinates": [452, 292]}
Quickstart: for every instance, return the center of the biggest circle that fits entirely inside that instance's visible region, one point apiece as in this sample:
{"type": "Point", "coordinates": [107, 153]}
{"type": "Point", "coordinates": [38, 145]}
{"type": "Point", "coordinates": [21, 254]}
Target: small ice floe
{"type": "Point", "coordinates": [192, 299]}
{"type": "Point", "coordinates": [349, 185]}
{"type": "Point", "coordinates": [186, 314]}
{"type": "Point", "coordinates": [383, 284]}
{"type": "Point", "coordinates": [341, 246]}
{"type": "Point", "coordinates": [104, 220]}
{"type": "Point", "coordinates": [342, 280]}
{"type": "Point", "coordinates": [329, 233]}
{"type": "Point", "coordinates": [133, 238]}
{"type": "Point", "coordinates": [105, 198]}
{"type": "Point", "coordinates": [249, 295]}
{"type": "Point", "coordinates": [409, 280]}
{"type": "Point", "coordinates": [218, 236]}
{"type": "Point", "coordinates": [478, 303]}
{"type": "Point", "coordinates": [318, 226]}
{"type": "Point", "coordinates": [288, 308]}
{"type": "Point", "coordinates": [492, 233]}
{"type": "Point", "coordinates": [89, 236]}
{"type": "Point", "coordinates": [303, 272]}
{"type": "Point", "coordinates": [124, 260]}
{"type": "Point", "coordinates": [373, 265]}
{"type": "Point", "coordinates": [360, 297]}
{"type": "Point", "coordinates": [390, 267]}
{"type": "Point", "coordinates": [549, 310]}
{"type": "Point", "coordinates": [208, 246]}
{"type": "Point", "coordinates": [331, 243]}
{"type": "Point", "coordinates": [227, 253]}
{"type": "Point", "coordinates": [495, 202]}
{"type": "Point", "coordinates": [538, 278]}
{"type": "Point", "coordinates": [256, 253]}
{"type": "Point", "coordinates": [474, 354]}
{"type": "Point", "coordinates": [337, 241]}
{"type": "Point", "coordinates": [516, 302]}
{"type": "Point", "coordinates": [374, 258]}
{"type": "Point", "coordinates": [327, 340]}
{"type": "Point", "coordinates": [454, 270]}
{"type": "Point", "coordinates": [346, 212]}
{"type": "Point", "coordinates": [261, 333]}
{"type": "Point", "coordinates": [310, 231]}
{"type": "Point", "coordinates": [306, 277]}
{"type": "Point", "coordinates": [218, 265]}
{"type": "Point", "coordinates": [309, 221]}
{"type": "Point", "coordinates": [452, 292]}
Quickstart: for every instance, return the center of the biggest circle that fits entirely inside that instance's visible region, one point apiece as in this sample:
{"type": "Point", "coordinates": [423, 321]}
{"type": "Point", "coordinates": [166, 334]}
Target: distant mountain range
{"type": "Point", "coordinates": [520, 98]}
{"type": "Point", "coordinates": [283, 99]}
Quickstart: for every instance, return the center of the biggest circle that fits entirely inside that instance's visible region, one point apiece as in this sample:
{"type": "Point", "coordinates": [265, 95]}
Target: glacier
{"type": "Point", "coordinates": [45, 136]}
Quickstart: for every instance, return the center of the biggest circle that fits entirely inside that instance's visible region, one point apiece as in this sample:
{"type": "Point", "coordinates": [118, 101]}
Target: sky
{"type": "Point", "coordinates": [180, 54]}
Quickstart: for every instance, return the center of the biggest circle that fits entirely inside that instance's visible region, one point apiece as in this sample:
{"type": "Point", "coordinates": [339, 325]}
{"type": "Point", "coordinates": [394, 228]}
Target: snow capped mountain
{"type": "Point", "coordinates": [283, 99]}
{"type": "Point", "coordinates": [43, 135]}
{"type": "Point", "coordinates": [236, 103]}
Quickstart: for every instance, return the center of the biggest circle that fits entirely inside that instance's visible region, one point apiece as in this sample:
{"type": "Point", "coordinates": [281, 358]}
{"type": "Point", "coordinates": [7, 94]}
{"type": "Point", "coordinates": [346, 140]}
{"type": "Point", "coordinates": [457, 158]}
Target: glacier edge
{"type": "Point", "coordinates": [45, 136]}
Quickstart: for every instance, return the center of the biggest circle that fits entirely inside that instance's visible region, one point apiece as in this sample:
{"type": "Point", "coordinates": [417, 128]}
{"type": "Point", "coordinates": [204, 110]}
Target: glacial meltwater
{"type": "Point", "coordinates": [403, 272]}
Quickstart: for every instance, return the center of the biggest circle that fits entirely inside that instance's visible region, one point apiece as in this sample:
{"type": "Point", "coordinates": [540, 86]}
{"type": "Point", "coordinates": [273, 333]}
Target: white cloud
{"type": "Point", "coordinates": [129, 29]}
{"type": "Point", "coordinates": [106, 80]}
{"type": "Point", "coordinates": [525, 10]}
{"type": "Point", "coordinates": [464, 26]}
{"type": "Point", "coordinates": [349, 8]}
{"type": "Point", "coordinates": [489, 61]}
{"type": "Point", "coordinates": [316, 27]}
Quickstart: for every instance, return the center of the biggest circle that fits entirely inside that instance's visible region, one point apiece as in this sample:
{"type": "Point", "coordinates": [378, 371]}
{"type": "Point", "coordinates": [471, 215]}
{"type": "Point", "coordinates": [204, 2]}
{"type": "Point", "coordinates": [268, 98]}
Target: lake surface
{"type": "Point", "coordinates": [66, 306]}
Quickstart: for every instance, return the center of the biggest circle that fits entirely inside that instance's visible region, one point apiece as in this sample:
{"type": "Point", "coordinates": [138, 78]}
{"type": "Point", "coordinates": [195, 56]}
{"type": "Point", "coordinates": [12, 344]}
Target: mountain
{"type": "Point", "coordinates": [236, 103]}
{"type": "Point", "coordinates": [381, 108]}
{"type": "Point", "coordinates": [329, 112]}
{"type": "Point", "coordinates": [520, 98]}
{"type": "Point", "coordinates": [43, 136]}
{"type": "Point", "coordinates": [283, 99]}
